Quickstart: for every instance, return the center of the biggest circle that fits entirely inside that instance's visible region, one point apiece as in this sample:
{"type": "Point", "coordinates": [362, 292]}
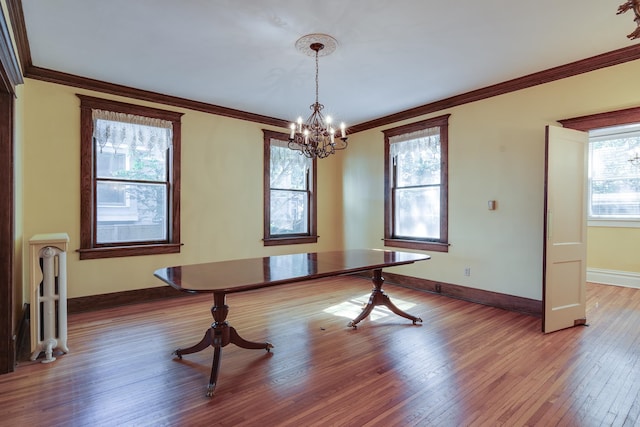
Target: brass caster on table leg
{"type": "Point", "coordinates": [269, 347]}
{"type": "Point", "coordinates": [177, 354]}
{"type": "Point", "coordinates": [352, 325]}
{"type": "Point", "coordinates": [210, 389]}
{"type": "Point", "coordinates": [417, 320]}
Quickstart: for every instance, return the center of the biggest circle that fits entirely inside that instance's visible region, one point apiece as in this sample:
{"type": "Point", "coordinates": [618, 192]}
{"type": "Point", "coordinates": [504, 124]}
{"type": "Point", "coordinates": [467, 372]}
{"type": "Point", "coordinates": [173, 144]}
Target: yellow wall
{"type": "Point", "coordinates": [221, 193]}
{"type": "Point", "coordinates": [496, 152]}
{"type": "Point", "coordinates": [614, 248]}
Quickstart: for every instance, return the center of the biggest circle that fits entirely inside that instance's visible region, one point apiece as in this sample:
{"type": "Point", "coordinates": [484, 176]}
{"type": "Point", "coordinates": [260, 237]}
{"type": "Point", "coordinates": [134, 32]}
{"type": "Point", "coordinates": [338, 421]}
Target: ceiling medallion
{"type": "Point", "coordinates": [304, 43]}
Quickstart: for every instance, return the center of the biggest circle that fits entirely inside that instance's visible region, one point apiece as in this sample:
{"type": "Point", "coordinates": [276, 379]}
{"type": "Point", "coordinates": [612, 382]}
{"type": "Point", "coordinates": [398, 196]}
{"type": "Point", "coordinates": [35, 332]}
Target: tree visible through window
{"type": "Point", "coordinates": [289, 193]}
{"type": "Point", "coordinates": [130, 179]}
{"type": "Point", "coordinates": [416, 185]}
{"type": "Point", "coordinates": [614, 181]}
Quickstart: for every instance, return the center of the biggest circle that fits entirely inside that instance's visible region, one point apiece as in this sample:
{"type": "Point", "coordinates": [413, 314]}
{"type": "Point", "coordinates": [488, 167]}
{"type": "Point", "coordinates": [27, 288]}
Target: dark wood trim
{"type": "Point", "coordinates": [23, 340]}
{"type": "Point", "coordinates": [292, 240]}
{"type": "Point", "coordinates": [593, 63]}
{"type": "Point", "coordinates": [16, 16]}
{"type": "Point", "coordinates": [66, 79]}
{"type": "Point", "coordinates": [7, 236]}
{"type": "Point", "coordinates": [417, 245]}
{"type": "Point", "coordinates": [124, 251]}
{"type": "Point", "coordinates": [88, 249]}
{"type": "Point", "coordinates": [31, 71]}
{"type": "Point", "coordinates": [416, 126]}
{"type": "Point", "coordinates": [494, 299]}
{"type": "Point", "coordinates": [117, 299]}
{"type": "Point", "coordinates": [603, 120]}
{"type": "Point", "coordinates": [442, 245]}
{"type": "Point", "coordinates": [92, 102]}
{"type": "Point", "coordinates": [10, 71]}
{"type": "Point", "coordinates": [268, 240]}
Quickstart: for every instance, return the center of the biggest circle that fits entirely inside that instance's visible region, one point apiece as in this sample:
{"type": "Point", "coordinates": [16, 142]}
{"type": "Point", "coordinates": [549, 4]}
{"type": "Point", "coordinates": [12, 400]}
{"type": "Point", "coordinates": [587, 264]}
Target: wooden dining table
{"type": "Point", "coordinates": [221, 278]}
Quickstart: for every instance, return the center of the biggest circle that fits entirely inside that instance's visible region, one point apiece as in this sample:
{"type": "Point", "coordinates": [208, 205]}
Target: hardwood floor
{"type": "Point", "coordinates": [467, 364]}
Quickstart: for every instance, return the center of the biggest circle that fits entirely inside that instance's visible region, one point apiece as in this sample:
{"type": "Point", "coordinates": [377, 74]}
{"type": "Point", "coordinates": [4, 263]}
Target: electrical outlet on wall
{"type": "Point", "coordinates": [467, 271]}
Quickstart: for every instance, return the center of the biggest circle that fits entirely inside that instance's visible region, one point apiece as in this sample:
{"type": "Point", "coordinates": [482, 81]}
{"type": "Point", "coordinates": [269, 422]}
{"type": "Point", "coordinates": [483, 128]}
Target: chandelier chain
{"type": "Point", "coordinates": [317, 68]}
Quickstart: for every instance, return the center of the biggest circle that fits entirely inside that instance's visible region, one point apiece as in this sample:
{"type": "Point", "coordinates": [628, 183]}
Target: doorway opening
{"type": "Point", "coordinates": [614, 205]}
{"type": "Point", "coordinates": [597, 125]}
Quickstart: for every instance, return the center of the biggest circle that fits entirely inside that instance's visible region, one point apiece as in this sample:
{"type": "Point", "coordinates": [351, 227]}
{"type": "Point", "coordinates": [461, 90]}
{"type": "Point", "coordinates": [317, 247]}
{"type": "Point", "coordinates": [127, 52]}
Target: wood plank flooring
{"type": "Point", "coordinates": [467, 364]}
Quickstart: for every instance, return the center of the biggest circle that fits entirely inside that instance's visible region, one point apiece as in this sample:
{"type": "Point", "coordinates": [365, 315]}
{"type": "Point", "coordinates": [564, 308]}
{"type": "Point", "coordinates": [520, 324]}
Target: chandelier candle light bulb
{"type": "Point", "coordinates": [315, 138]}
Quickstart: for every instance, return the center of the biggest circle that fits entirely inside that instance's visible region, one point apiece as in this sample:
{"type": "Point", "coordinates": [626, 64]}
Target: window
{"type": "Point", "coordinates": [289, 193]}
{"type": "Point", "coordinates": [614, 182]}
{"type": "Point", "coordinates": [613, 185]}
{"type": "Point", "coordinates": [130, 176]}
{"type": "Point", "coordinates": [416, 187]}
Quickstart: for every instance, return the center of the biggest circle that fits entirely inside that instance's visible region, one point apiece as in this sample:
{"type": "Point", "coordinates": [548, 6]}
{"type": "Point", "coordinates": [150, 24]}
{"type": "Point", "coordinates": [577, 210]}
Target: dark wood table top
{"type": "Point", "coordinates": [253, 273]}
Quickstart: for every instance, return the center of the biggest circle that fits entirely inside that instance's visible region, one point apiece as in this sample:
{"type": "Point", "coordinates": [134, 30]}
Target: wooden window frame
{"type": "Point", "coordinates": [276, 240]}
{"type": "Point", "coordinates": [603, 120]}
{"type": "Point", "coordinates": [88, 211]}
{"type": "Point", "coordinates": [442, 244]}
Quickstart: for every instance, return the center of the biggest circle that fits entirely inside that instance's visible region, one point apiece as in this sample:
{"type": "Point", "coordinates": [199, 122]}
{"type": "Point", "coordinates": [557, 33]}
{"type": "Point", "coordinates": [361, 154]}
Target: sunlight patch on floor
{"type": "Point", "coordinates": [352, 308]}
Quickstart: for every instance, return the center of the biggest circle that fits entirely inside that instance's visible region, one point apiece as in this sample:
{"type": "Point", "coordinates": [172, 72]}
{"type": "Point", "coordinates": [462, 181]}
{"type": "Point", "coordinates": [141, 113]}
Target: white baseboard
{"type": "Point", "coordinates": [612, 277]}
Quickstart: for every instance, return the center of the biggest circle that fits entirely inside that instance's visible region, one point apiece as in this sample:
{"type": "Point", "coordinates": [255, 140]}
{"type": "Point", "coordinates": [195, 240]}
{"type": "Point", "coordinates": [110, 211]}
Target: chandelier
{"type": "Point", "coordinates": [633, 5]}
{"type": "Point", "coordinates": [317, 137]}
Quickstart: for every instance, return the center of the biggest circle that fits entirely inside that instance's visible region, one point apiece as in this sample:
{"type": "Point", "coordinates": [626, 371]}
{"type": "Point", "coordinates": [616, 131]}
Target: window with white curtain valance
{"type": "Point", "coordinates": [128, 131]}
{"type": "Point", "coordinates": [416, 188]}
{"type": "Point", "coordinates": [418, 141]}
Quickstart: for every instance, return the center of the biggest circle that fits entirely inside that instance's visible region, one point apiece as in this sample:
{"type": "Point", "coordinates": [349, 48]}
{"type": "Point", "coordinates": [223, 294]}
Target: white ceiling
{"type": "Point", "coordinates": [391, 55]}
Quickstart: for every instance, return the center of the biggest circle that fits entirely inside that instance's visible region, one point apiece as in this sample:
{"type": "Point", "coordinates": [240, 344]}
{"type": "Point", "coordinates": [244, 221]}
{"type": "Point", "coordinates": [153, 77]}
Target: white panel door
{"type": "Point", "coordinates": [565, 241]}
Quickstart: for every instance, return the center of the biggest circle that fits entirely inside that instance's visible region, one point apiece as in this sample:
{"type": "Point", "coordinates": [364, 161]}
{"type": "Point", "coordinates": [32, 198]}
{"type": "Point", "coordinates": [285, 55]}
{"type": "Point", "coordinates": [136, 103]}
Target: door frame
{"type": "Point", "coordinates": [10, 77]}
{"type": "Point", "coordinates": [7, 236]}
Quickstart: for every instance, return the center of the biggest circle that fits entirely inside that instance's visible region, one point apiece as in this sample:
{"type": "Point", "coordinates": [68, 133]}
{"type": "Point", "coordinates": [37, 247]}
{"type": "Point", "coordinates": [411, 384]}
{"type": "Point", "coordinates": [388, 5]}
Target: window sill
{"type": "Point", "coordinates": [289, 240]}
{"type": "Point", "coordinates": [623, 223]}
{"type": "Point", "coordinates": [126, 251]}
{"type": "Point", "coordinates": [417, 244]}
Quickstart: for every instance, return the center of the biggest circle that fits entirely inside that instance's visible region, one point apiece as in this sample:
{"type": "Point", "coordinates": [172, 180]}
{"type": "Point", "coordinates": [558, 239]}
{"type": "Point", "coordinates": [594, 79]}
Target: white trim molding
{"type": "Point", "coordinates": [628, 279]}
{"type": "Point", "coordinates": [621, 223]}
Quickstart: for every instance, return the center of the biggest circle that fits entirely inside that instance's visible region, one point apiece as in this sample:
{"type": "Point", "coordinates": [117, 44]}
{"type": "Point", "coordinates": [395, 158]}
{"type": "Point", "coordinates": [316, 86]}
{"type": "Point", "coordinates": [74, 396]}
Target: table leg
{"type": "Point", "coordinates": [219, 335]}
{"type": "Point", "coordinates": [378, 297]}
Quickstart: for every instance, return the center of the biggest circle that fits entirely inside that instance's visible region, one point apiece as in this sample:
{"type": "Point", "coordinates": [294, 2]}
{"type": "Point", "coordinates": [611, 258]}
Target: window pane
{"type": "Point", "coordinates": [139, 163]}
{"type": "Point", "coordinates": [289, 212]}
{"type": "Point", "coordinates": [108, 163]}
{"type": "Point", "coordinates": [614, 181]}
{"type": "Point", "coordinates": [417, 161]}
{"type": "Point", "coordinates": [417, 213]}
{"type": "Point", "coordinates": [111, 194]}
{"type": "Point", "coordinates": [140, 215]}
{"type": "Point", "coordinates": [288, 169]}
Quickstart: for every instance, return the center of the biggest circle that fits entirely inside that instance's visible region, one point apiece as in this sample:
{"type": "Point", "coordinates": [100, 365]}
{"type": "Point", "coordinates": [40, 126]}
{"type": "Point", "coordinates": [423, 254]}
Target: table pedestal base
{"type": "Point", "coordinates": [219, 335]}
{"type": "Point", "coordinates": [378, 297]}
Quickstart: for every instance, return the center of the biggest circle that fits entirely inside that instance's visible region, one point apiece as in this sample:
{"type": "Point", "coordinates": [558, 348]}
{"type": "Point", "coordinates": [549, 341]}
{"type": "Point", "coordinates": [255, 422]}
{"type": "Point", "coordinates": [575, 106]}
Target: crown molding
{"type": "Point", "coordinates": [593, 63]}
{"type": "Point", "coordinates": [10, 72]}
{"type": "Point", "coordinates": [66, 79]}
